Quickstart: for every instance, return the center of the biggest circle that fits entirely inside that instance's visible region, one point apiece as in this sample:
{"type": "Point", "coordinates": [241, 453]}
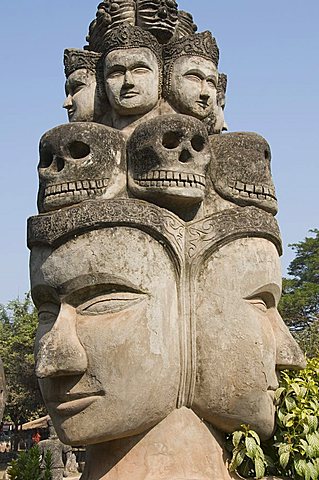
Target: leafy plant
{"type": "Point", "coordinates": [27, 466]}
{"type": "Point", "coordinates": [248, 457]}
{"type": "Point", "coordinates": [293, 450]}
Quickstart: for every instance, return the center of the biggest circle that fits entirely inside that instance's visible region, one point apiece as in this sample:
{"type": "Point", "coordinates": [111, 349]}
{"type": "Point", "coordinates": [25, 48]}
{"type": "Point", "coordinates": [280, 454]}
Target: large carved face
{"type": "Point", "coordinates": [167, 160]}
{"type": "Point", "coordinates": [242, 341]}
{"type": "Point", "coordinates": [193, 86]}
{"type": "Point", "coordinates": [107, 346]}
{"type": "Point", "coordinates": [132, 80]}
{"type": "Point", "coordinates": [80, 161]}
{"type": "Point", "coordinates": [81, 100]}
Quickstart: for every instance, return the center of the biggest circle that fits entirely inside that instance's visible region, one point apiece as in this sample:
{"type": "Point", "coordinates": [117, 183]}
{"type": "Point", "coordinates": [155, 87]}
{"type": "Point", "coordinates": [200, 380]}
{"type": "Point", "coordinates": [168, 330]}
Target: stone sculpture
{"type": "Point", "coordinates": [58, 450]}
{"type": "Point", "coordinates": [155, 257]}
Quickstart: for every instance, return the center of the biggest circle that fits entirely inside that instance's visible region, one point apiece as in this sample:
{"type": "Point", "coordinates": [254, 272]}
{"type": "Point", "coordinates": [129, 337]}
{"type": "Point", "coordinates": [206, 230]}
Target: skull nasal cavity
{"type": "Point", "coordinates": [171, 140]}
{"type": "Point", "coordinates": [185, 156]}
{"type": "Point", "coordinates": [79, 149]}
{"type": "Point", "coordinates": [198, 143]}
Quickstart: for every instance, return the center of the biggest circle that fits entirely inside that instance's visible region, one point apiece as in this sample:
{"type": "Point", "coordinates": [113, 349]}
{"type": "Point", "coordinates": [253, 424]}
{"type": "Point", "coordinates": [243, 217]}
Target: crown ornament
{"type": "Point", "coordinates": [158, 17]}
{"type": "Point", "coordinates": [110, 14]}
{"type": "Point", "coordinates": [76, 59]}
{"type": "Point", "coordinates": [126, 36]}
{"type": "Point", "coordinates": [185, 25]}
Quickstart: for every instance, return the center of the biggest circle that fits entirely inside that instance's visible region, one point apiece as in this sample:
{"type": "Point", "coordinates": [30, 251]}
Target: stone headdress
{"type": "Point", "coordinates": [222, 85]}
{"type": "Point", "coordinates": [76, 59]}
{"type": "Point", "coordinates": [199, 44]}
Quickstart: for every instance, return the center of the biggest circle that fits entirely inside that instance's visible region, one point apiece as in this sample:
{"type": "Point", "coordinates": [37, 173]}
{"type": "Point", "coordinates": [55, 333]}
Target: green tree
{"type": "Point", "coordinates": [299, 305]}
{"type": "Point", "coordinates": [18, 323]}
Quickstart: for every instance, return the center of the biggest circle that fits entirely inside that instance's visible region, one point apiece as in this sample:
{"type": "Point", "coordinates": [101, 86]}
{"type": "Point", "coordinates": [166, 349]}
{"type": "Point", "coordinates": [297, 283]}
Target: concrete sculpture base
{"type": "Point", "coordinates": [181, 447]}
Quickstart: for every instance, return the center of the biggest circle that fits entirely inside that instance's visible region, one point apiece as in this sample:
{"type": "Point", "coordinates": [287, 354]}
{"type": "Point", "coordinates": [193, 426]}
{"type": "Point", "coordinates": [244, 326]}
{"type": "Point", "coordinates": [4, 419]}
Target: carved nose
{"type": "Point", "coordinates": [185, 156]}
{"type": "Point", "coordinates": [68, 102]}
{"type": "Point", "coordinates": [59, 351]}
{"type": "Point", "coordinates": [288, 352]}
{"type": "Point", "coordinates": [128, 79]}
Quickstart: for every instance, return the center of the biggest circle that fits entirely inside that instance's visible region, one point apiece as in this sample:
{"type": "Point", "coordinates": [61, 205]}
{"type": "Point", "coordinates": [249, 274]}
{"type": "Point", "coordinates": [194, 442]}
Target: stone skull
{"type": "Point", "coordinates": [167, 161]}
{"type": "Point", "coordinates": [241, 170]}
{"type": "Point", "coordinates": [80, 161]}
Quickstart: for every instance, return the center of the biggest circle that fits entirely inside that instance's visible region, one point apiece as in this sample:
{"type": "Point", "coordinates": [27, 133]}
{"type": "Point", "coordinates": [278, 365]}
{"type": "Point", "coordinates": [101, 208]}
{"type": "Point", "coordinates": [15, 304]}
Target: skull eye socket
{"type": "Point", "coordinates": [198, 143]}
{"type": "Point", "coordinates": [79, 149]}
{"type": "Point", "coordinates": [171, 140]}
{"type": "Point", "coordinates": [46, 157]}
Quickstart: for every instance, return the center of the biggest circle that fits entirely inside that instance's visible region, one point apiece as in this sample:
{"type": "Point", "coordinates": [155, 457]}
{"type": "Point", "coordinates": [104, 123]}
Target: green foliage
{"type": "Point", "coordinates": [299, 304]}
{"type": "Point", "coordinates": [248, 457]}
{"type": "Point", "coordinates": [293, 451]}
{"type": "Point", "coordinates": [18, 323]}
{"type": "Point", "coordinates": [28, 466]}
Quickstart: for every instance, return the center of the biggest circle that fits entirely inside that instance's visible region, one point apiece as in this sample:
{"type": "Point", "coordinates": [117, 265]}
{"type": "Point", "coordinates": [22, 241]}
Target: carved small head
{"type": "Point", "coordinates": [241, 170]}
{"type": "Point", "coordinates": [191, 76]}
{"type": "Point", "coordinates": [132, 70]}
{"type": "Point", "coordinates": [158, 17]}
{"type": "Point", "coordinates": [82, 100]}
{"type": "Point", "coordinates": [167, 161]}
{"type": "Point", "coordinates": [80, 161]}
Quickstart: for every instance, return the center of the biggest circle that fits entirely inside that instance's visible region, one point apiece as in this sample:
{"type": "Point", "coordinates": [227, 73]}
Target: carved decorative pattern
{"type": "Point", "coordinates": [228, 225]}
{"type": "Point", "coordinates": [55, 227]}
{"type": "Point", "coordinates": [75, 59]}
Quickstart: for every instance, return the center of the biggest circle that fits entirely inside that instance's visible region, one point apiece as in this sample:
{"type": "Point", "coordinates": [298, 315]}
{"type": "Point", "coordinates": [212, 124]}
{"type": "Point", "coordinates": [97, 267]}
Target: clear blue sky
{"type": "Point", "coordinates": [269, 49]}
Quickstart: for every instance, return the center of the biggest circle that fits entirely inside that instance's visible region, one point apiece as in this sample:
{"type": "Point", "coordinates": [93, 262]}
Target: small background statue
{"type": "Point", "coordinates": [58, 450]}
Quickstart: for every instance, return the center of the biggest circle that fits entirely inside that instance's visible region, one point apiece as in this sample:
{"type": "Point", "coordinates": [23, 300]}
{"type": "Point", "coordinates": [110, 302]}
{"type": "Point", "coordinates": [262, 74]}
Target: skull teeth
{"type": "Point", "coordinates": [165, 178]}
{"type": "Point", "coordinates": [252, 191]}
{"type": "Point", "coordinates": [78, 188]}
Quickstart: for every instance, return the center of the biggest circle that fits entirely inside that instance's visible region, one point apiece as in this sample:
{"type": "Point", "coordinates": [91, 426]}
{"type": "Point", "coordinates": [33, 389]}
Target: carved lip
{"type": "Point", "coordinates": [202, 104]}
{"type": "Point", "coordinates": [129, 94]}
{"type": "Point", "coordinates": [74, 404]}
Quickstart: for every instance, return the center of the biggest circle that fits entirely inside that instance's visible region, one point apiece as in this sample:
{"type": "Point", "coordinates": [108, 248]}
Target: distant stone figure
{"type": "Point", "coordinates": [57, 449]}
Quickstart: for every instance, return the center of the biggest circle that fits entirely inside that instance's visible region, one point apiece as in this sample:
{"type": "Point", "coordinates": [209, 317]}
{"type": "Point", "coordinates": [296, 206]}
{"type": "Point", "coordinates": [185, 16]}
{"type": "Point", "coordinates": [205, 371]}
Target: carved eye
{"type": "Point", "coordinates": [198, 143]}
{"type": "Point", "coordinates": [171, 3]}
{"type": "Point", "coordinates": [171, 140]}
{"type": "Point", "coordinates": [79, 149]}
{"type": "Point", "coordinates": [46, 157]}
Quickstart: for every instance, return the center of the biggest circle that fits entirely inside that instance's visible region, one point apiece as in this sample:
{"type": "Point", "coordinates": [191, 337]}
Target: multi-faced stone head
{"type": "Point", "coordinates": [191, 76]}
{"type": "Point", "coordinates": [82, 102]}
{"type": "Point", "coordinates": [80, 161]}
{"type": "Point", "coordinates": [107, 344]}
{"type": "Point", "coordinates": [159, 17]}
{"type": "Point", "coordinates": [241, 170]}
{"type": "Point", "coordinates": [241, 341]}
{"type": "Point", "coordinates": [132, 70]}
{"type": "Point", "coordinates": [167, 161]}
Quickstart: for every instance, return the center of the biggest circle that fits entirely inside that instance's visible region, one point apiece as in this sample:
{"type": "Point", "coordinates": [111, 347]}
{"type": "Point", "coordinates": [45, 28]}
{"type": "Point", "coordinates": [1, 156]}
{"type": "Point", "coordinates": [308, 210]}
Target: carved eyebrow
{"type": "Point", "coordinates": [271, 290]}
{"type": "Point", "coordinates": [99, 280]}
{"type": "Point", "coordinates": [195, 71]}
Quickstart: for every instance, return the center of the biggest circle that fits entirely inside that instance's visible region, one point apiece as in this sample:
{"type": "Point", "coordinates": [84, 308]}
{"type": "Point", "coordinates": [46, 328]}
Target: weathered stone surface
{"type": "Point", "coordinates": [155, 257]}
{"type": "Point", "coordinates": [167, 162]}
{"type": "Point", "coordinates": [80, 161]}
{"type": "Point", "coordinates": [60, 453]}
{"type": "Point", "coordinates": [241, 171]}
